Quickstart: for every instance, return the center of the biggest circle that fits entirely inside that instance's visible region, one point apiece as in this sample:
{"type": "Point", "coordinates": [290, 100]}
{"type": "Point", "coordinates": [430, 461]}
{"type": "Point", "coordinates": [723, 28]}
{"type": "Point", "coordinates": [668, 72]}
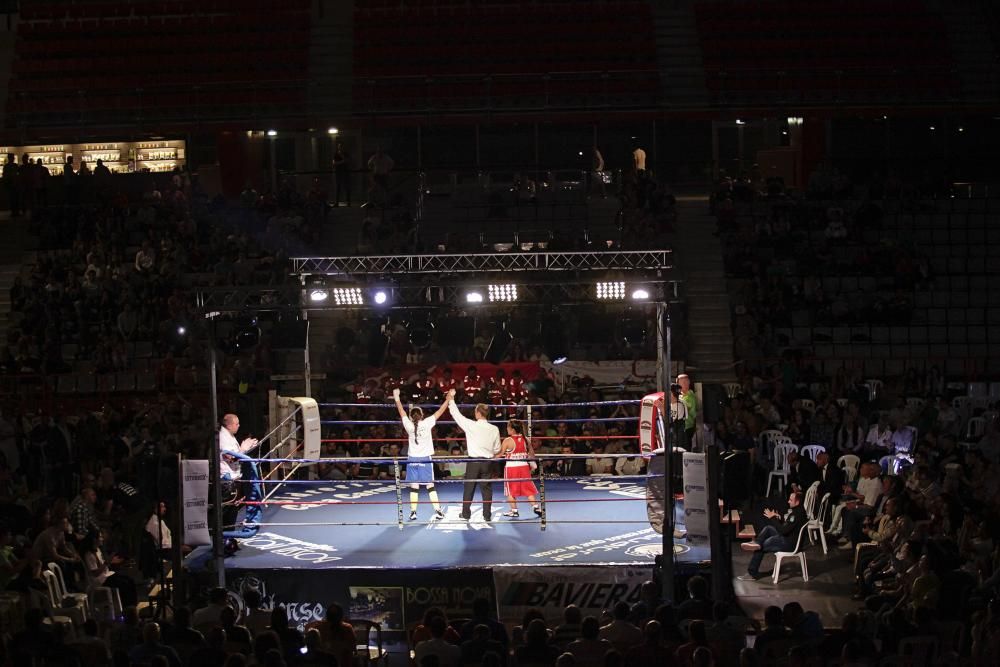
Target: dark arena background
{"type": "Point", "coordinates": [281, 283]}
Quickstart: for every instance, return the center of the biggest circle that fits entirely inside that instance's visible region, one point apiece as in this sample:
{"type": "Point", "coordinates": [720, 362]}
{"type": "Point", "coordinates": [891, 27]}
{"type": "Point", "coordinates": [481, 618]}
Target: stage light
{"type": "Point", "coordinates": [333, 130]}
{"type": "Point", "coordinates": [348, 296]}
{"type": "Point", "coordinates": [502, 293]}
{"type": "Point", "coordinates": [640, 294]}
{"type": "Point", "coordinates": [318, 295]}
{"type": "Point", "coordinates": [181, 330]}
{"type": "Point", "coordinates": [381, 296]}
{"type": "Point", "coordinates": [473, 297]}
{"type": "Point", "coordinates": [272, 133]}
{"type": "Point", "coordinates": [795, 120]}
{"type": "Point", "coordinates": [610, 290]}
{"type": "Point", "coordinates": [740, 122]}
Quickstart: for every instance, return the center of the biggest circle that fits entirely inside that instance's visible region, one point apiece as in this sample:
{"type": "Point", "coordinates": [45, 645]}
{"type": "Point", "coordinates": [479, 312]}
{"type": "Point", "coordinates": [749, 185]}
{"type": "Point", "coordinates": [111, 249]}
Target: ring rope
{"type": "Point", "coordinates": [569, 478]}
{"type": "Point", "coordinates": [266, 524]}
{"type": "Point", "coordinates": [463, 438]}
{"type": "Point", "coordinates": [328, 501]}
{"type": "Point", "coordinates": [282, 441]}
{"type": "Point", "coordinates": [441, 459]}
{"type": "Point", "coordinates": [579, 404]}
{"type": "Point", "coordinates": [395, 422]}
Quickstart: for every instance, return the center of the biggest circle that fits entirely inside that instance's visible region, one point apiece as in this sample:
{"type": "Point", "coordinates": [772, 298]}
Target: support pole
{"type": "Point", "coordinates": [216, 466]}
{"type": "Point", "coordinates": [663, 382]}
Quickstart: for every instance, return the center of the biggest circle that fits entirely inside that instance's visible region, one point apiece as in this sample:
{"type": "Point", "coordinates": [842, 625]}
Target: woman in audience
{"type": "Point", "coordinates": [99, 572]}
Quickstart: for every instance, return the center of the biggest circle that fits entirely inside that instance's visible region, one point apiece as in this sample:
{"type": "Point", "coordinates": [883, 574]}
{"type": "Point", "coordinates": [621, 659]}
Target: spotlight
{"type": "Point", "coordinates": [740, 122]}
{"type": "Point", "coordinates": [272, 133]}
{"type": "Point", "coordinates": [381, 296]}
{"type": "Point", "coordinates": [640, 294]}
{"type": "Point", "coordinates": [318, 295]}
{"type": "Point", "coordinates": [794, 120]}
{"type": "Point", "coordinates": [333, 130]}
{"type": "Point", "coordinates": [182, 330]}
{"type": "Point", "coordinates": [473, 297]}
{"type": "Point", "coordinates": [610, 290]}
{"type": "Point", "coordinates": [502, 293]}
{"type": "Point", "coordinates": [348, 296]}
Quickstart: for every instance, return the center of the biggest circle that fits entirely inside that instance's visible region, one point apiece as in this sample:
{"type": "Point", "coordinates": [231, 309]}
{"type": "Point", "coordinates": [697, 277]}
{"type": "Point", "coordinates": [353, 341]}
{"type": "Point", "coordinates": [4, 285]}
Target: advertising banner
{"type": "Point", "coordinates": [194, 492]}
{"type": "Point", "coordinates": [550, 589]}
{"type": "Point", "coordinates": [397, 599]}
{"type": "Point", "coordinates": [695, 497]}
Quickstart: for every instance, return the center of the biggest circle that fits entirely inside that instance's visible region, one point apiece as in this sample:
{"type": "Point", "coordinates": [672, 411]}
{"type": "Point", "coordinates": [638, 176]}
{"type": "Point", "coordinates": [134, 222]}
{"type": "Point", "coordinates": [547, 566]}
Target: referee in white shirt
{"type": "Point", "coordinates": [483, 442]}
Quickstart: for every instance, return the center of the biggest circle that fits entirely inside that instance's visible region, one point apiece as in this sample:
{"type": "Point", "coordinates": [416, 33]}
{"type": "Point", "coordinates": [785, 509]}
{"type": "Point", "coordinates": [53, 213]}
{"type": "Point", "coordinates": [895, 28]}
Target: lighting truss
{"type": "Point", "coordinates": [621, 260]}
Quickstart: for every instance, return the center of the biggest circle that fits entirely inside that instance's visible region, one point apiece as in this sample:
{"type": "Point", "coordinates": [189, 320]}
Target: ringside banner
{"type": "Point", "coordinates": [550, 589]}
{"type": "Point", "coordinates": [194, 491]}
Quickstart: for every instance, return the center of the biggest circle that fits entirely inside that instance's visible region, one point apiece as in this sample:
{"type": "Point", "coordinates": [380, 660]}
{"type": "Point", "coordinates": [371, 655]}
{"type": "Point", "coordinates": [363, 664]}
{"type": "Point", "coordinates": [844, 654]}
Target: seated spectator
{"type": "Point", "coordinates": [774, 629]}
{"type": "Point", "coordinates": [622, 634]}
{"type": "Point", "coordinates": [210, 615]}
{"type": "Point", "coordinates": [652, 652]}
{"type": "Point", "coordinates": [804, 625]}
{"type": "Point", "coordinates": [474, 650]}
{"type": "Point", "coordinates": [213, 652]}
{"type": "Point", "coordinates": [447, 654]}
{"type": "Point", "coordinates": [152, 646]}
{"type": "Point", "coordinates": [481, 614]}
{"type": "Point", "coordinates": [685, 653]}
{"type": "Point", "coordinates": [337, 634]}
{"type": "Point", "coordinates": [237, 636]}
{"type": "Point", "coordinates": [697, 605]}
{"type": "Point", "coordinates": [422, 631]}
{"type": "Point", "coordinates": [315, 655]}
{"type": "Point", "coordinates": [589, 650]}
{"type": "Point", "coordinates": [569, 630]}
{"type": "Point", "coordinates": [536, 650]}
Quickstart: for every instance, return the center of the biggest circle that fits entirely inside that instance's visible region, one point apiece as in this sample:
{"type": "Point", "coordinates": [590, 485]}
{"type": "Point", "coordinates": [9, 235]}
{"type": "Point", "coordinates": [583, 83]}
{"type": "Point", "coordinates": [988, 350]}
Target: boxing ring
{"type": "Point", "coordinates": [318, 540]}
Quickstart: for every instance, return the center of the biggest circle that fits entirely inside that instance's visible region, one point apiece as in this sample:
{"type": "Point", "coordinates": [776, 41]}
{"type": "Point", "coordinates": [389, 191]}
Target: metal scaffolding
{"type": "Point", "coordinates": [500, 262]}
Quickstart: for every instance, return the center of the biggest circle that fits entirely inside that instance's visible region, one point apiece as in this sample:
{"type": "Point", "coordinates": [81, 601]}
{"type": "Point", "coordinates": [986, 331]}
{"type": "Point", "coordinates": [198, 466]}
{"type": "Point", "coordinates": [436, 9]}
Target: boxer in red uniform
{"type": "Point", "coordinates": [515, 386]}
{"type": "Point", "coordinates": [497, 388]}
{"type": "Point", "coordinates": [516, 449]}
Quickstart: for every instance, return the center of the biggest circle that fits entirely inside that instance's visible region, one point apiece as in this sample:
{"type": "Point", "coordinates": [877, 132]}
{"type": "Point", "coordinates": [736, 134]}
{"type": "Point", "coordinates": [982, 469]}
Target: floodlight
{"type": "Point", "coordinates": [318, 295]}
{"type": "Point", "coordinates": [381, 296]}
{"type": "Point", "coordinates": [348, 296]}
{"type": "Point", "coordinates": [333, 130]}
{"type": "Point", "coordinates": [473, 297]}
{"type": "Point", "coordinates": [610, 290]}
{"type": "Point", "coordinates": [640, 294]}
{"type": "Point", "coordinates": [272, 133]}
{"type": "Point", "coordinates": [506, 292]}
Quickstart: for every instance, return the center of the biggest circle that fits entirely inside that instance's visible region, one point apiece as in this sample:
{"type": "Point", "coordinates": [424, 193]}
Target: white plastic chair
{"type": "Point", "coordinates": [57, 608]}
{"type": "Point", "coordinates": [733, 389]}
{"type": "Point", "coordinates": [974, 431]}
{"type": "Point", "coordinates": [874, 389]}
{"type": "Point", "coordinates": [842, 402]}
{"type": "Point", "coordinates": [809, 502]}
{"type": "Point", "coordinates": [812, 451]}
{"type": "Point", "coordinates": [766, 442]}
{"type": "Point", "coordinates": [798, 553]}
{"type": "Point", "coordinates": [70, 599]}
{"type": "Point", "coordinates": [815, 524]}
{"type": "Point", "coordinates": [780, 469]}
{"type": "Point", "coordinates": [888, 464]}
{"type": "Point", "coordinates": [850, 464]}
{"type": "Point", "coordinates": [807, 404]}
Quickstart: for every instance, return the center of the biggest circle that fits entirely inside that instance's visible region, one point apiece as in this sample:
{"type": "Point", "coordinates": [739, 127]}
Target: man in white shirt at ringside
{"type": "Point", "coordinates": [230, 467]}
